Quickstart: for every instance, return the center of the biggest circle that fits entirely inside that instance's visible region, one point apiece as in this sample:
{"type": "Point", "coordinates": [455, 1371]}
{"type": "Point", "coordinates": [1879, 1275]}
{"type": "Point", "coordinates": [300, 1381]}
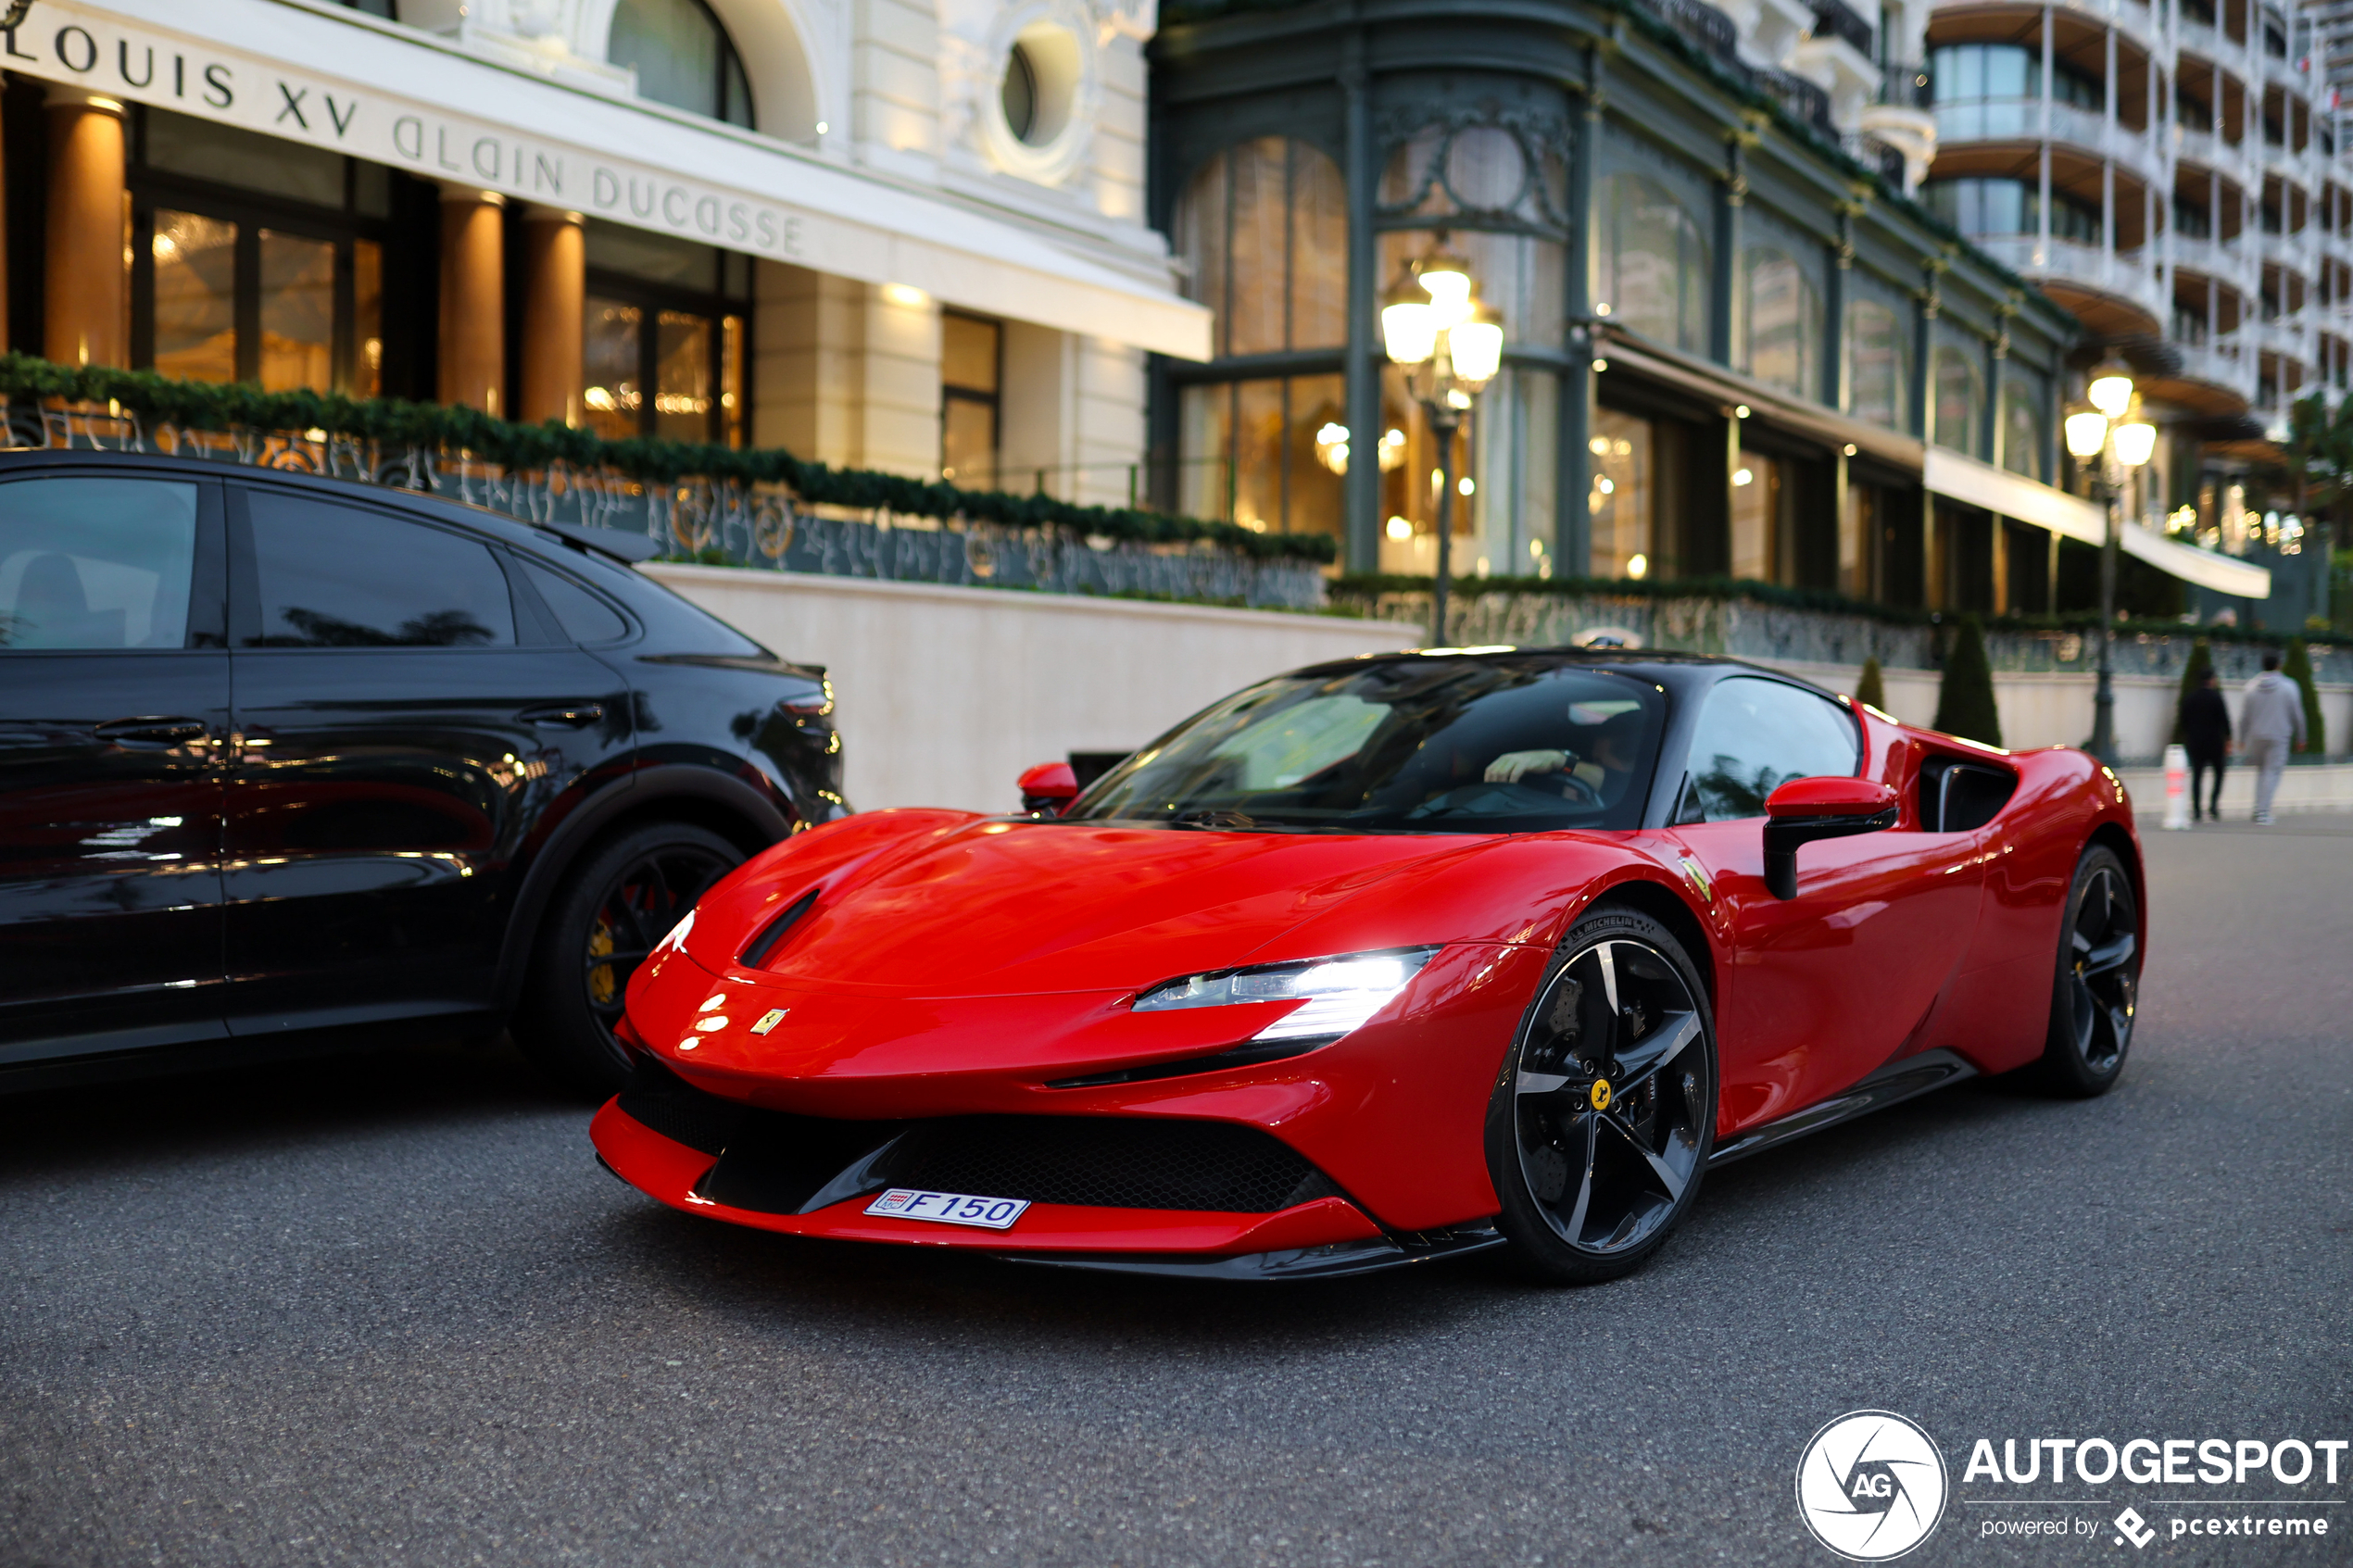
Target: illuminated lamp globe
{"type": "Point", "coordinates": [1446, 279]}
{"type": "Point", "coordinates": [2111, 390]}
{"type": "Point", "coordinates": [2087, 433]}
{"type": "Point", "coordinates": [2136, 442]}
{"type": "Point", "coordinates": [1477, 348]}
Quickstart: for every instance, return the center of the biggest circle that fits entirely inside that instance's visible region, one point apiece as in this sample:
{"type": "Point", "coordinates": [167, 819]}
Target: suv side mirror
{"type": "Point", "coordinates": [1804, 810]}
{"type": "Point", "coordinates": [1050, 786]}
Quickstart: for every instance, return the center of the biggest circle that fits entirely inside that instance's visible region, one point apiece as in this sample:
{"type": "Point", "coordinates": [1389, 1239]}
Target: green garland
{"type": "Point", "coordinates": [397, 424]}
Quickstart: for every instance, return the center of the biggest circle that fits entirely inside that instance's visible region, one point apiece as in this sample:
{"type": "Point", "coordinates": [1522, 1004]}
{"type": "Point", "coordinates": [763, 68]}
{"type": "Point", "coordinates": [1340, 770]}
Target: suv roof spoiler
{"type": "Point", "coordinates": [622, 545]}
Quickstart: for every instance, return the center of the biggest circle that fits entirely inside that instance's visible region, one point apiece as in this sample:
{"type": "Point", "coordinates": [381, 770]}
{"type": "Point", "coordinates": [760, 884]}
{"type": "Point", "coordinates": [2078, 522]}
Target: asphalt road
{"type": "Point", "coordinates": [388, 1310]}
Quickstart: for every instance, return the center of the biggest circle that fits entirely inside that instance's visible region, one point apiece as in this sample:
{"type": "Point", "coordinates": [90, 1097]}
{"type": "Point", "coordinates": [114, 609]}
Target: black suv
{"type": "Point", "coordinates": [283, 758]}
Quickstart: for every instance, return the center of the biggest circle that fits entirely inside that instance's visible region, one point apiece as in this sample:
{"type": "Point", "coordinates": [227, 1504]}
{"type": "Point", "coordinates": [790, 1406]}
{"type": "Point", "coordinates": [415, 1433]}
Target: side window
{"type": "Point", "coordinates": [96, 563]}
{"type": "Point", "coordinates": [1755, 736]}
{"type": "Point", "coordinates": [339, 577]}
{"type": "Point", "coordinates": [583, 616]}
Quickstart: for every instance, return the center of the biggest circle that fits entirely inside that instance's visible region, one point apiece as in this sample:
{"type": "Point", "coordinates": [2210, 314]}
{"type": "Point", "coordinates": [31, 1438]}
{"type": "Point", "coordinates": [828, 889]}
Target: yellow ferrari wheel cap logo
{"type": "Point", "coordinates": [1601, 1093]}
{"type": "Point", "coordinates": [768, 1021]}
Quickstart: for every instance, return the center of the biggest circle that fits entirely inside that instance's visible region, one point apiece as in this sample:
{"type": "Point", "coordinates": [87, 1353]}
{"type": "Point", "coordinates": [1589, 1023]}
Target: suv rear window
{"type": "Point", "coordinates": [341, 577]}
{"type": "Point", "coordinates": [95, 563]}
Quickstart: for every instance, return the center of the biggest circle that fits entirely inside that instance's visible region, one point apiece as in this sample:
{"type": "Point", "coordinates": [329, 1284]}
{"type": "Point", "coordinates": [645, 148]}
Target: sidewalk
{"type": "Point", "coordinates": [2325, 786]}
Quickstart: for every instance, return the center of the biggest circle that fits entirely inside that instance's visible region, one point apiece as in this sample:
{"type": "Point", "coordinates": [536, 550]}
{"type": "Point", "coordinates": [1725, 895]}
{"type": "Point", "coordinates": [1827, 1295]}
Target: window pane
{"type": "Point", "coordinates": [682, 377]}
{"type": "Point", "coordinates": [584, 617]}
{"type": "Point", "coordinates": [1204, 444]}
{"type": "Point", "coordinates": [731, 377]}
{"type": "Point", "coordinates": [609, 366]}
{"type": "Point", "coordinates": [658, 258]}
{"type": "Point", "coordinates": [2021, 433]}
{"type": "Point", "coordinates": [1755, 736]}
{"type": "Point", "coordinates": [195, 296]}
{"type": "Point", "coordinates": [1319, 250]}
{"type": "Point", "coordinates": [95, 563]}
{"type": "Point", "coordinates": [674, 47]}
{"type": "Point", "coordinates": [1958, 399]}
{"type": "Point", "coordinates": [968, 352]}
{"type": "Point", "coordinates": [1654, 264]}
{"type": "Point", "coordinates": [211, 151]}
{"type": "Point", "coordinates": [1876, 365]}
{"type": "Point", "coordinates": [968, 442]}
{"type": "Point", "coordinates": [337, 577]}
{"type": "Point", "coordinates": [1756, 505]}
{"type": "Point", "coordinates": [367, 318]}
{"type": "Point", "coordinates": [1513, 456]}
{"type": "Point", "coordinates": [1254, 310]}
{"type": "Point", "coordinates": [1314, 500]}
{"type": "Point", "coordinates": [1258, 456]}
{"type": "Point", "coordinates": [1622, 499]}
{"type": "Point", "coordinates": [298, 313]}
{"type": "Point", "coordinates": [1783, 317]}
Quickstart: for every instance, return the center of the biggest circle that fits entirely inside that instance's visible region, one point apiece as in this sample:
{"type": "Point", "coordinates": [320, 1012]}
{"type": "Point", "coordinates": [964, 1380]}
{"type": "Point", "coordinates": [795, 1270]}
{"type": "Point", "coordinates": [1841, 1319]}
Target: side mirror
{"type": "Point", "coordinates": [1050, 786]}
{"type": "Point", "coordinates": [1804, 810]}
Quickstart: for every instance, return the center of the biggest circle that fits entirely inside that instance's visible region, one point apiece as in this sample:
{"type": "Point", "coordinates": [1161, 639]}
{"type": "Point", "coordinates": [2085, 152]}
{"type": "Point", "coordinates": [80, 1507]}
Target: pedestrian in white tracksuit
{"type": "Point", "coordinates": [2270, 718]}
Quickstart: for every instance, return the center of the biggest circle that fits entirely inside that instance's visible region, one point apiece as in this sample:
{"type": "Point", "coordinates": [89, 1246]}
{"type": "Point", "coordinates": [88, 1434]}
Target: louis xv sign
{"type": "Point", "coordinates": [108, 57]}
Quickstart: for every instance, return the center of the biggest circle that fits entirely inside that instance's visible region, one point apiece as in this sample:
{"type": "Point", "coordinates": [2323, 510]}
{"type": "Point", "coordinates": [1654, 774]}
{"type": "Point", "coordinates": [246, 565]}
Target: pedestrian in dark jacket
{"type": "Point", "coordinates": [2206, 736]}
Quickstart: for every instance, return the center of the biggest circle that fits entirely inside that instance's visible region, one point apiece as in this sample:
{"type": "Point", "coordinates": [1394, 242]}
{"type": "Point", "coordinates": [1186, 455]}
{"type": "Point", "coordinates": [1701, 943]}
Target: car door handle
{"type": "Point", "coordinates": [151, 730]}
{"type": "Point", "coordinates": [563, 715]}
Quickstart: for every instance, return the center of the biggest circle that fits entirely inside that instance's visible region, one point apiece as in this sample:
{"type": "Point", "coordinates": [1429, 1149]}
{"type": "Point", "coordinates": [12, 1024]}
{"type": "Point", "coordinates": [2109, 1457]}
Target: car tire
{"type": "Point", "coordinates": [1604, 1115]}
{"type": "Point", "coordinates": [2095, 993]}
{"type": "Point", "coordinates": [621, 897]}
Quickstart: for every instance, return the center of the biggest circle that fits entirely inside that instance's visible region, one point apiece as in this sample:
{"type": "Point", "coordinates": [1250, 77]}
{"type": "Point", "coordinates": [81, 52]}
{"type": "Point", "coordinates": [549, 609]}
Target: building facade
{"type": "Point", "coordinates": [2170, 171]}
{"type": "Point", "coordinates": [1732, 346]}
{"type": "Point", "coordinates": [899, 235]}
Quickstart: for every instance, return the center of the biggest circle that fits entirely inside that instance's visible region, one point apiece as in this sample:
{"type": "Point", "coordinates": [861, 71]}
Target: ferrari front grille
{"type": "Point", "coordinates": [659, 1100]}
{"type": "Point", "coordinates": [1108, 1161]}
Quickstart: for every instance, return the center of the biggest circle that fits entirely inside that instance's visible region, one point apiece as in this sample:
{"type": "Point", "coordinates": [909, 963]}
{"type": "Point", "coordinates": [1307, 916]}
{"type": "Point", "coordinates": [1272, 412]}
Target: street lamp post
{"type": "Point", "coordinates": [2111, 432]}
{"type": "Point", "coordinates": [1451, 347]}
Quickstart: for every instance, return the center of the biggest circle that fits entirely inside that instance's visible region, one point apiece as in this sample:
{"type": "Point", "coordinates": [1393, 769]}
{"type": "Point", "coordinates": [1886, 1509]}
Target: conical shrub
{"type": "Point", "coordinates": [1871, 686]}
{"type": "Point", "coordinates": [2297, 667]}
{"type": "Point", "coordinates": [2201, 660]}
{"type": "Point", "coordinates": [1965, 704]}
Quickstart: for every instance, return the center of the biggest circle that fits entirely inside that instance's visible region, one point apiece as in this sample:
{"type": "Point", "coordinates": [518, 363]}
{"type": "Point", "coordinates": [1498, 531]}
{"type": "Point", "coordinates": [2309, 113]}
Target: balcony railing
{"type": "Point", "coordinates": [1804, 99]}
{"type": "Point", "coordinates": [1907, 84]}
{"type": "Point", "coordinates": [1832, 17]}
{"type": "Point", "coordinates": [1705, 27]}
{"type": "Point", "coordinates": [2126, 274]}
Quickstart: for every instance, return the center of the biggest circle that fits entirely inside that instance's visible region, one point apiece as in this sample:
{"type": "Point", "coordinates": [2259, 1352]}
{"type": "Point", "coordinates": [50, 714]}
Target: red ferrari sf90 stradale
{"type": "Point", "coordinates": [1383, 961]}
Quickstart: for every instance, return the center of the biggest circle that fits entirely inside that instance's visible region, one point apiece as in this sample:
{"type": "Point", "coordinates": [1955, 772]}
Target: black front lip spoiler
{"type": "Point", "coordinates": [1336, 1259]}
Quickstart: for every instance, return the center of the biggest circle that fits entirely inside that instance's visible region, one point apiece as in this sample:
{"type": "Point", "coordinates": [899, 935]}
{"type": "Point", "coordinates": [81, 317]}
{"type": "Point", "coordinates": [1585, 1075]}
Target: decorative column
{"type": "Point", "coordinates": [1572, 544]}
{"type": "Point", "coordinates": [474, 314]}
{"type": "Point", "coordinates": [554, 306]}
{"type": "Point", "coordinates": [86, 290]}
{"type": "Point", "coordinates": [1360, 487]}
{"type": "Point", "coordinates": [1731, 195]}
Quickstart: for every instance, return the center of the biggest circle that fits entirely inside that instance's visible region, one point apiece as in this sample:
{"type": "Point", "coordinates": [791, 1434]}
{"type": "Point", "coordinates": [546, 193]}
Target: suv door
{"type": "Point", "coordinates": [1828, 986]}
{"type": "Point", "coordinates": [407, 716]}
{"type": "Point", "coordinates": [114, 694]}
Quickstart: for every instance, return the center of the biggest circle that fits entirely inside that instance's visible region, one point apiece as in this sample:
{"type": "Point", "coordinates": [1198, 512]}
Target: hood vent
{"type": "Point", "coordinates": [771, 935]}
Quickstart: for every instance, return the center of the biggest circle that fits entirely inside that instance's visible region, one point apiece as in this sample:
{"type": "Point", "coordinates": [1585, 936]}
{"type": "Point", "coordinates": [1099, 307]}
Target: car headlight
{"type": "Point", "coordinates": [1339, 993]}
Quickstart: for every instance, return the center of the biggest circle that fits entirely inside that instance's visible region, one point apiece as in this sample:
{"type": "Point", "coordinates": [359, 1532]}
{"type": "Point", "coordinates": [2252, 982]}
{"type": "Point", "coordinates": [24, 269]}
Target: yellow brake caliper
{"type": "Point", "coordinates": [600, 986]}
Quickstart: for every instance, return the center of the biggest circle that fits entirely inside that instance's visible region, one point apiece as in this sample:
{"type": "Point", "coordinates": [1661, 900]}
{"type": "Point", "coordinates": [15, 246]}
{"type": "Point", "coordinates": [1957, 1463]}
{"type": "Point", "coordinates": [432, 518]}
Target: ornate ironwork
{"type": "Point", "coordinates": [719, 521]}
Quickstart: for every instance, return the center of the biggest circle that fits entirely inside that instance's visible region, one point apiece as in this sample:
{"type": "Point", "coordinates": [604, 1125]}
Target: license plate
{"type": "Point", "coordinates": [949, 1208]}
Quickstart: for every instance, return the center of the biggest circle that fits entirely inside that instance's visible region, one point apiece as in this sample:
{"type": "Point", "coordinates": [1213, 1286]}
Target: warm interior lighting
{"type": "Point", "coordinates": [1392, 449]}
{"type": "Point", "coordinates": [1331, 447]}
{"type": "Point", "coordinates": [906, 295]}
{"type": "Point", "coordinates": [2111, 390]}
{"type": "Point", "coordinates": [2087, 433]}
{"type": "Point", "coordinates": [1638, 566]}
{"type": "Point", "coordinates": [1399, 528]}
{"type": "Point", "coordinates": [1741, 476]}
{"type": "Point", "coordinates": [2136, 442]}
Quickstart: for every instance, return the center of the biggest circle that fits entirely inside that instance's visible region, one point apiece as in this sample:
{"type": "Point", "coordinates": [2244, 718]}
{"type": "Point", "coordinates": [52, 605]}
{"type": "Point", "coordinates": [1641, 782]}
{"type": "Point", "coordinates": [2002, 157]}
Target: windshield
{"type": "Point", "coordinates": [1496, 743]}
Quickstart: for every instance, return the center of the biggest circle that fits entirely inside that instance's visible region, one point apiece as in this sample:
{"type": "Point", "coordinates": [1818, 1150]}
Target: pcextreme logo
{"type": "Point", "coordinates": [1871, 1485]}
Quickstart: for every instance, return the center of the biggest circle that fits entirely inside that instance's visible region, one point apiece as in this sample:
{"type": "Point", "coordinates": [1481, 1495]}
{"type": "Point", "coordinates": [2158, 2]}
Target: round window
{"type": "Point", "coordinates": [1019, 94]}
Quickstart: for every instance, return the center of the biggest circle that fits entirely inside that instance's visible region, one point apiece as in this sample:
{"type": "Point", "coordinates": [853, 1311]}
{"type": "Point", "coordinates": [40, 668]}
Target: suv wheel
{"type": "Point", "coordinates": [612, 908]}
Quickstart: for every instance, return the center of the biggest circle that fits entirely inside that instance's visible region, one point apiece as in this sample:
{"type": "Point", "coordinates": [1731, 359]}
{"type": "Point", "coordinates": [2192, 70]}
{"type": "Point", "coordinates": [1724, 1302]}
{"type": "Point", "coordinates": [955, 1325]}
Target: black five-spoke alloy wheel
{"type": "Point", "coordinates": [604, 921]}
{"type": "Point", "coordinates": [2097, 988]}
{"type": "Point", "coordinates": [1605, 1112]}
